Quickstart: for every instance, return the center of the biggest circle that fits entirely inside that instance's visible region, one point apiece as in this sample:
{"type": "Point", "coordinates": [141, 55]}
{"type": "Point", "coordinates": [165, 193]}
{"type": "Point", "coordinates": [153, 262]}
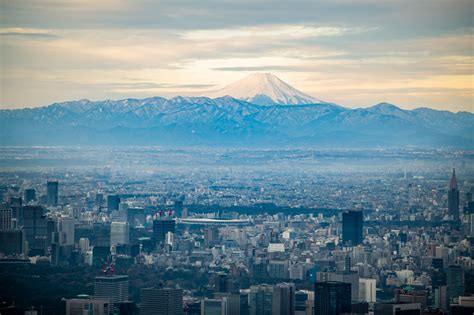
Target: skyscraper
{"type": "Point", "coordinates": [113, 202]}
{"type": "Point", "coordinates": [332, 298]}
{"type": "Point", "coordinates": [35, 228]}
{"type": "Point", "coordinates": [112, 288]}
{"type": "Point", "coordinates": [161, 301]}
{"type": "Point", "coordinates": [66, 230]}
{"type": "Point", "coordinates": [261, 300]}
{"type": "Point", "coordinates": [367, 290]}
{"type": "Point", "coordinates": [455, 281]}
{"type": "Point", "coordinates": [52, 193]}
{"type": "Point", "coordinates": [453, 197]}
{"type": "Point", "coordinates": [119, 233]}
{"type": "Point", "coordinates": [284, 299]}
{"type": "Point", "coordinates": [5, 217]}
{"type": "Point", "coordinates": [161, 227]}
{"type": "Point", "coordinates": [30, 195]}
{"type": "Point", "coordinates": [352, 224]}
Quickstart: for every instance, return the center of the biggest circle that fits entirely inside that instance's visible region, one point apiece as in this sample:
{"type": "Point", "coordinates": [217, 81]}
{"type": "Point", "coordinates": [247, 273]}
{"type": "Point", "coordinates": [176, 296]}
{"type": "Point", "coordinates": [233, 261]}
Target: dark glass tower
{"type": "Point", "coordinates": [352, 223]}
{"type": "Point", "coordinates": [453, 197]}
{"type": "Point", "coordinates": [161, 227]}
{"type": "Point", "coordinates": [30, 195]}
{"type": "Point", "coordinates": [332, 298]}
{"type": "Point", "coordinates": [113, 202]}
{"type": "Point", "coordinates": [52, 193]}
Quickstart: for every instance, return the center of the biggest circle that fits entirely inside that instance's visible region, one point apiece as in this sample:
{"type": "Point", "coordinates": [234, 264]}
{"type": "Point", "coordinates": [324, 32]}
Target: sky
{"type": "Point", "coordinates": [355, 53]}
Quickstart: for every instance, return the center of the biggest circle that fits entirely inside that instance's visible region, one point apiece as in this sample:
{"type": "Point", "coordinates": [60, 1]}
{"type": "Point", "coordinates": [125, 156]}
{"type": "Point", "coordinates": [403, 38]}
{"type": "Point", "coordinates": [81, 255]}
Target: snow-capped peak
{"type": "Point", "coordinates": [265, 89]}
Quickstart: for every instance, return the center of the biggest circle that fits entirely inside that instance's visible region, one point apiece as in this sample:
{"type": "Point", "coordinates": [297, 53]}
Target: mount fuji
{"type": "Point", "coordinates": [265, 89]}
{"type": "Point", "coordinates": [259, 110]}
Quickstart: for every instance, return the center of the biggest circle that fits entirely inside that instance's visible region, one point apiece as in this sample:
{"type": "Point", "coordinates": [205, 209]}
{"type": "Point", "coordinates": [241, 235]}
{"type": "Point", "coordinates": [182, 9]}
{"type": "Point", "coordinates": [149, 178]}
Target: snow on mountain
{"type": "Point", "coordinates": [265, 89]}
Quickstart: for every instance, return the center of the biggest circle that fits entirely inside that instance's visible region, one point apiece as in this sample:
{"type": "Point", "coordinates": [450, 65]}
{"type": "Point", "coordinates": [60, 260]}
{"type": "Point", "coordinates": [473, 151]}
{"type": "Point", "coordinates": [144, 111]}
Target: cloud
{"type": "Point", "coordinates": [286, 31]}
{"type": "Point", "coordinates": [28, 33]}
{"type": "Point", "coordinates": [337, 50]}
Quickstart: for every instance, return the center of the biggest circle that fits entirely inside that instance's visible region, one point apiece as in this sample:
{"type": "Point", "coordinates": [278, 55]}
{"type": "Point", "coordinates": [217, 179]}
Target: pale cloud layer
{"type": "Point", "coordinates": [354, 53]}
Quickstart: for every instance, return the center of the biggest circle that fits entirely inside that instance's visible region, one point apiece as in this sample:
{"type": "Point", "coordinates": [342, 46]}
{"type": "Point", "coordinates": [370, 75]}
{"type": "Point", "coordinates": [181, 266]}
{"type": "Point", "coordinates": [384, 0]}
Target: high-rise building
{"type": "Point", "coordinates": [283, 299]}
{"type": "Point", "coordinates": [161, 301]}
{"type": "Point", "coordinates": [453, 197]}
{"type": "Point", "coordinates": [352, 228]}
{"type": "Point", "coordinates": [261, 300]}
{"type": "Point", "coordinates": [52, 193]}
{"type": "Point", "coordinates": [5, 217]}
{"type": "Point", "coordinates": [113, 288]}
{"type": "Point", "coordinates": [233, 303]}
{"type": "Point", "coordinates": [222, 283]}
{"type": "Point", "coordinates": [161, 227]}
{"type": "Point", "coordinates": [66, 231]}
{"type": "Point", "coordinates": [278, 269]}
{"type": "Point", "coordinates": [29, 195]}
{"type": "Point", "coordinates": [367, 290]}
{"type": "Point", "coordinates": [87, 306]}
{"type": "Point", "coordinates": [11, 242]}
{"type": "Point", "coordinates": [113, 203]}
{"type": "Point", "coordinates": [35, 229]}
{"type": "Point", "coordinates": [212, 307]}
{"type": "Point", "coordinates": [119, 233]}
{"type": "Point", "coordinates": [455, 281]}
{"type": "Point", "coordinates": [332, 298]}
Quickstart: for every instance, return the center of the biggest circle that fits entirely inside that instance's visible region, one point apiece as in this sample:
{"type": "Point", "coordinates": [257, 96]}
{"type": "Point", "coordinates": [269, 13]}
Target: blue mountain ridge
{"type": "Point", "coordinates": [226, 121]}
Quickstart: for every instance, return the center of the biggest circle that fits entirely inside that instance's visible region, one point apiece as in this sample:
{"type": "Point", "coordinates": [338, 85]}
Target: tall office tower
{"type": "Point", "coordinates": [113, 203]}
{"type": "Point", "coordinates": [84, 244]}
{"type": "Point", "coordinates": [66, 231]}
{"type": "Point", "coordinates": [99, 199]}
{"type": "Point", "coordinates": [211, 236]}
{"type": "Point", "coordinates": [178, 208]}
{"type": "Point", "coordinates": [212, 307]}
{"type": "Point", "coordinates": [119, 233]}
{"type": "Point", "coordinates": [11, 242]}
{"type": "Point", "coordinates": [164, 301]}
{"type": "Point", "coordinates": [222, 283]}
{"type": "Point", "coordinates": [261, 300]}
{"type": "Point", "coordinates": [367, 290]}
{"type": "Point", "coordinates": [112, 288]}
{"type": "Point", "coordinates": [455, 281]}
{"type": "Point", "coordinates": [17, 211]}
{"type": "Point", "coordinates": [161, 227]}
{"type": "Point", "coordinates": [332, 298]}
{"type": "Point", "coordinates": [397, 309]}
{"type": "Point", "coordinates": [87, 306]}
{"type": "Point", "coordinates": [283, 299]}
{"type": "Point", "coordinates": [278, 269]}
{"type": "Point", "coordinates": [347, 277]}
{"type": "Point", "coordinates": [232, 303]}
{"type": "Point", "coordinates": [52, 193]}
{"type": "Point", "coordinates": [453, 197]}
{"type": "Point", "coordinates": [5, 217]}
{"type": "Point", "coordinates": [29, 195]}
{"type": "Point", "coordinates": [35, 229]}
{"type": "Point", "coordinates": [352, 224]}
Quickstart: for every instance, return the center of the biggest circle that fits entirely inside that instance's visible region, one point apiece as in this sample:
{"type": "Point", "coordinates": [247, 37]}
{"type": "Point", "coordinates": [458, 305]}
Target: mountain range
{"type": "Point", "coordinates": [260, 110]}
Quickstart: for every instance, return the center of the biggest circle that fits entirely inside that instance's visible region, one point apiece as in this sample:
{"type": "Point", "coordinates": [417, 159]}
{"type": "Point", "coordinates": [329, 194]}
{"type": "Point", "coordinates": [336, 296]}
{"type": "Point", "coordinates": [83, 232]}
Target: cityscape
{"type": "Point", "coordinates": [388, 233]}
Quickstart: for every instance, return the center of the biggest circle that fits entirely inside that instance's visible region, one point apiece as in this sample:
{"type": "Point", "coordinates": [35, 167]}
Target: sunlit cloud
{"type": "Point", "coordinates": [355, 53]}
